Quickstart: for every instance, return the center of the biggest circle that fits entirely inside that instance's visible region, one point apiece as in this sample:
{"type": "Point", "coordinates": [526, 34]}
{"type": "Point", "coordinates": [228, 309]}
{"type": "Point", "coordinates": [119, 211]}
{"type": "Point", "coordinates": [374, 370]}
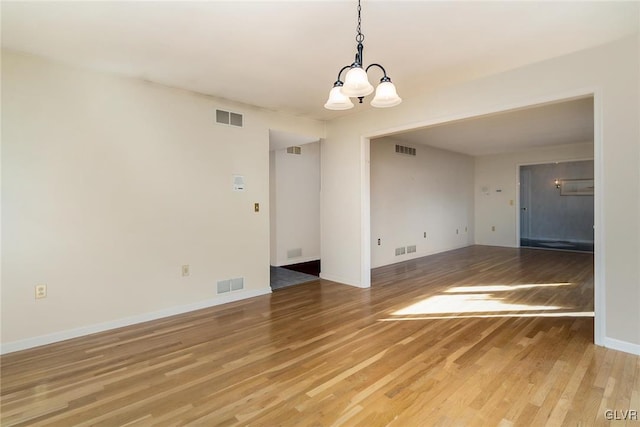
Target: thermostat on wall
{"type": "Point", "coordinates": [238, 183]}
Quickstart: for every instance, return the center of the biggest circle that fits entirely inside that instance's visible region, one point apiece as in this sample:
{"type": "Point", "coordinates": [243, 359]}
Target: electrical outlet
{"type": "Point", "coordinates": [185, 270]}
{"type": "Point", "coordinates": [256, 207]}
{"type": "Point", "coordinates": [493, 228]}
{"type": "Point", "coordinates": [41, 291]}
{"type": "Point", "coordinates": [457, 231]}
{"type": "Point", "coordinates": [425, 234]}
{"type": "Point", "coordinates": [378, 242]}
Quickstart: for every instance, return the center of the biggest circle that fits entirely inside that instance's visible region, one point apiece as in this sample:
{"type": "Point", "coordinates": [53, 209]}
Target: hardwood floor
{"type": "Point", "coordinates": [478, 336]}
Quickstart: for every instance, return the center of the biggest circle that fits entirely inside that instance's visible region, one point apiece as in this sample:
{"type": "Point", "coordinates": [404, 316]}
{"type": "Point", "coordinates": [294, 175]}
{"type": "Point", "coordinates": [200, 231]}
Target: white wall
{"type": "Point", "coordinates": [611, 71]}
{"type": "Point", "coordinates": [110, 185]}
{"type": "Point", "coordinates": [500, 172]}
{"type": "Point", "coordinates": [431, 192]}
{"type": "Point", "coordinates": [297, 205]}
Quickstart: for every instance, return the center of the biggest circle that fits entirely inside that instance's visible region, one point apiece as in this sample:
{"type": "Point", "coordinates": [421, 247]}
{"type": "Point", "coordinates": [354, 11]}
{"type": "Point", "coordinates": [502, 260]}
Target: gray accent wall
{"type": "Point", "coordinates": [551, 215]}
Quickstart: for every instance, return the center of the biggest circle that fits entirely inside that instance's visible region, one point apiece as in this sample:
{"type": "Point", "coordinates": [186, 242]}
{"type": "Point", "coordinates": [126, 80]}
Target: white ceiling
{"type": "Point", "coordinates": [560, 123]}
{"type": "Point", "coordinates": [284, 55]}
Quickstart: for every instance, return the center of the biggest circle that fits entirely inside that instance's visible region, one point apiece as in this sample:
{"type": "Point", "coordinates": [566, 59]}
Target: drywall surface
{"type": "Point", "coordinates": [496, 189]}
{"type": "Point", "coordinates": [610, 71]}
{"type": "Point", "coordinates": [110, 185]}
{"type": "Point", "coordinates": [429, 194]}
{"type": "Point", "coordinates": [297, 205]}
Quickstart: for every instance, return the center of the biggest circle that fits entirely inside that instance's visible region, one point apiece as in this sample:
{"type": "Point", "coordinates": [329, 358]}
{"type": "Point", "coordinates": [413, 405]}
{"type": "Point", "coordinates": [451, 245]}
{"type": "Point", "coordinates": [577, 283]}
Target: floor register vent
{"type": "Point", "coordinates": [230, 119]}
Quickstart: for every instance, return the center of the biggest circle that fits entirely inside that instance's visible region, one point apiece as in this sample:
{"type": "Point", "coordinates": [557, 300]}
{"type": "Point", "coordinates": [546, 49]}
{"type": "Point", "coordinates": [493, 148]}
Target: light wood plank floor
{"type": "Point", "coordinates": [478, 336]}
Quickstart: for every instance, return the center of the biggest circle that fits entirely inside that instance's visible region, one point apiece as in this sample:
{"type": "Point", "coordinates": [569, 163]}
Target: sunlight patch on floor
{"type": "Point", "coordinates": [488, 316]}
{"type": "Point", "coordinates": [503, 288]}
{"type": "Point", "coordinates": [467, 303]}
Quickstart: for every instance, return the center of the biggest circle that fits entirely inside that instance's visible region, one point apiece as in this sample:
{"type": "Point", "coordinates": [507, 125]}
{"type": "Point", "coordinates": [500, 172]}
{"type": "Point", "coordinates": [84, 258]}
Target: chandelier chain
{"type": "Point", "coordinates": [359, 36]}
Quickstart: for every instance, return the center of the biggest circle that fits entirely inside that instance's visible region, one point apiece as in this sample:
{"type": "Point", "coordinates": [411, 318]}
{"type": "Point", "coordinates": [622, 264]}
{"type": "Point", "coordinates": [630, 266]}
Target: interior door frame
{"type": "Point", "coordinates": [521, 209]}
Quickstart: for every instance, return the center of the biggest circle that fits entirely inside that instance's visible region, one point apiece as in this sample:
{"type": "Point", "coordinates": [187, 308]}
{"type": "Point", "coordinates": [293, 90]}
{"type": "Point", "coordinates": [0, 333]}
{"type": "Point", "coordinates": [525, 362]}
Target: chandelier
{"type": "Point", "coordinates": [356, 83]}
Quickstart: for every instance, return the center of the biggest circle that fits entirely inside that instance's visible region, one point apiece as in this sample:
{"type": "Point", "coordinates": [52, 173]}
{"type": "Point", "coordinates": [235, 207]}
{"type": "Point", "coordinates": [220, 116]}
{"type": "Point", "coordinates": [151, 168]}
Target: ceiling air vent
{"type": "Point", "coordinates": [401, 149]}
{"type": "Point", "coordinates": [228, 118]}
{"type": "Point", "coordinates": [294, 150]}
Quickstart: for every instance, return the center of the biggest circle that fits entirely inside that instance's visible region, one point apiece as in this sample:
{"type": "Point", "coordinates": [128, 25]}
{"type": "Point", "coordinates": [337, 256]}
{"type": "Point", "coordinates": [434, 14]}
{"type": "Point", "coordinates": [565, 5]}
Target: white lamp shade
{"type": "Point", "coordinates": [356, 83]}
{"type": "Point", "coordinates": [337, 100]}
{"type": "Point", "coordinates": [386, 96]}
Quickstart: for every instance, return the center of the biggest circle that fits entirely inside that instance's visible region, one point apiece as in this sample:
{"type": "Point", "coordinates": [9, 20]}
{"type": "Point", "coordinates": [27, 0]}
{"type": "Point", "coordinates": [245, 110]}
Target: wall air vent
{"type": "Point", "coordinates": [230, 285]}
{"type": "Point", "coordinates": [411, 249]}
{"type": "Point", "coordinates": [237, 284]}
{"type": "Point", "coordinates": [228, 118]}
{"type": "Point", "coordinates": [400, 251]}
{"type": "Point", "coordinates": [401, 149]}
{"type": "Point", "coordinates": [224, 286]}
{"type": "Point", "coordinates": [294, 150]}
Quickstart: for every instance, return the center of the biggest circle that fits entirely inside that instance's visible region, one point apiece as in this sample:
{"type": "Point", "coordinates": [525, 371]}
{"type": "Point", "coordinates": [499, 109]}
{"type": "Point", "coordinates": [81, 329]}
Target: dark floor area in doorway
{"type": "Point", "coordinates": [557, 245]}
{"type": "Point", "coordinates": [282, 278]}
{"type": "Point", "coordinates": [309, 267]}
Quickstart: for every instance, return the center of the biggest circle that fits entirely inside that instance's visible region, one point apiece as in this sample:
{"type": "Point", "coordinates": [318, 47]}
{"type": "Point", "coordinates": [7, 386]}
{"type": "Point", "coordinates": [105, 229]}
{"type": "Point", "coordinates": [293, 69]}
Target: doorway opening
{"type": "Point", "coordinates": [496, 189]}
{"type": "Point", "coordinates": [294, 208]}
{"type": "Point", "coordinates": [557, 206]}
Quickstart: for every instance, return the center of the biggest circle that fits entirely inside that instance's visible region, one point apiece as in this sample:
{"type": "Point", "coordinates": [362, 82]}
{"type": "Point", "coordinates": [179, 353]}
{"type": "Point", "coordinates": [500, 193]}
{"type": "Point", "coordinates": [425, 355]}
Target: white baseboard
{"type": "Point", "coordinates": [625, 346]}
{"type": "Point", "coordinates": [13, 346]}
{"type": "Point", "coordinates": [295, 261]}
{"type": "Point", "coordinates": [341, 280]}
{"type": "Point", "coordinates": [421, 254]}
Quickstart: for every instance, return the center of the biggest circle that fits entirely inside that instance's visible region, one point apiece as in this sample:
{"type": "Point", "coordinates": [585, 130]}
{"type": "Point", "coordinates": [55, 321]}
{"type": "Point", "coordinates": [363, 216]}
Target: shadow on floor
{"type": "Point", "coordinates": [557, 245]}
{"type": "Point", "coordinates": [309, 267]}
{"type": "Point", "coordinates": [282, 278]}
